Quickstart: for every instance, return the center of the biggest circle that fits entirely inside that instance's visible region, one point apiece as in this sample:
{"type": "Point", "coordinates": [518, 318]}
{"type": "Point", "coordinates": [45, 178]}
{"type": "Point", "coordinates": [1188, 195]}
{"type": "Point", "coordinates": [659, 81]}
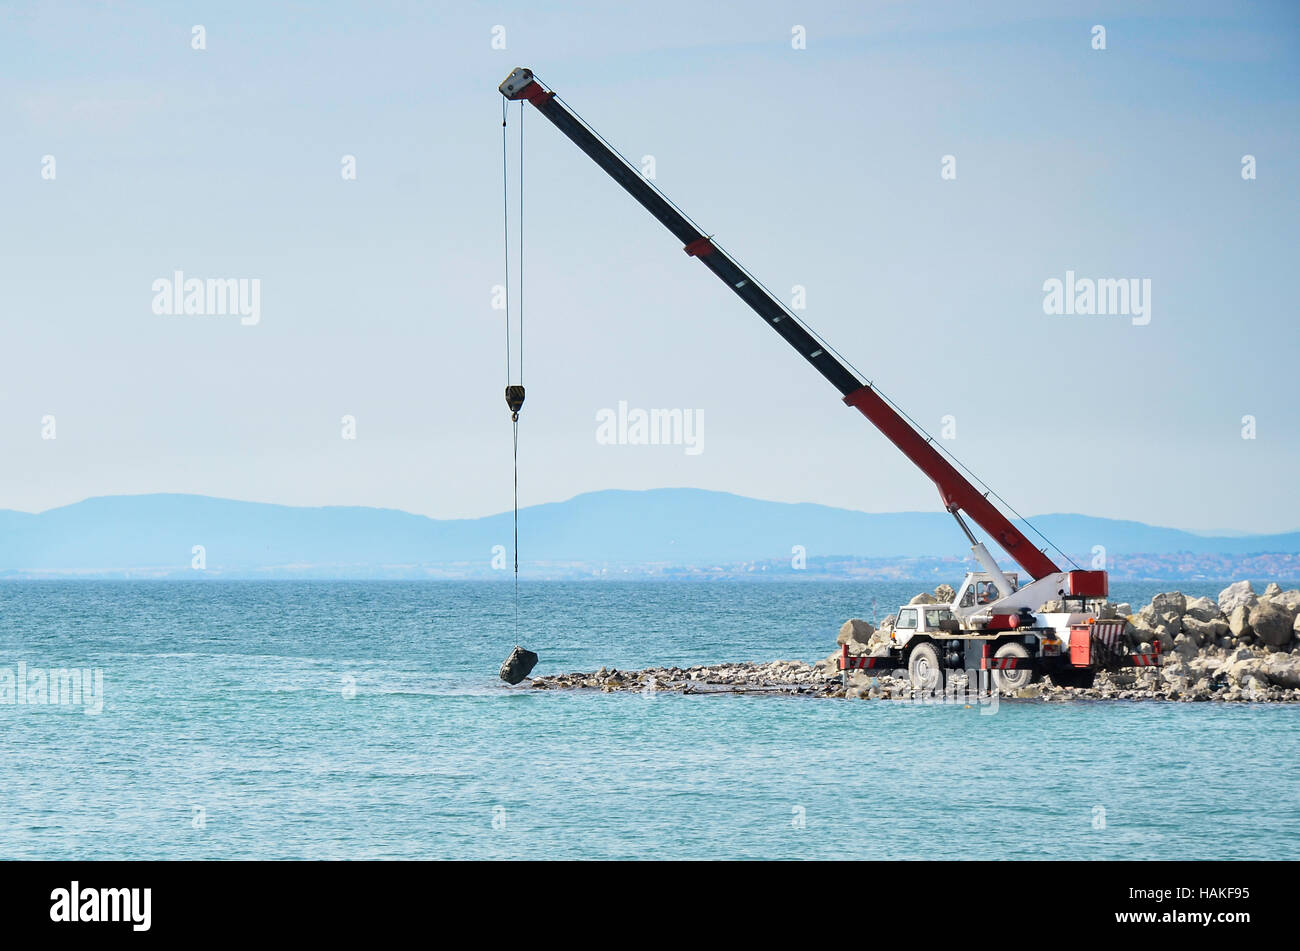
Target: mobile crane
{"type": "Point", "coordinates": [994, 623]}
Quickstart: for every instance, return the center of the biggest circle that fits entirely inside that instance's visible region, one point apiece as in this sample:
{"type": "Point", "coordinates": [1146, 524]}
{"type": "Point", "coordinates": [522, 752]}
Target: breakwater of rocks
{"type": "Point", "coordinates": [1242, 646]}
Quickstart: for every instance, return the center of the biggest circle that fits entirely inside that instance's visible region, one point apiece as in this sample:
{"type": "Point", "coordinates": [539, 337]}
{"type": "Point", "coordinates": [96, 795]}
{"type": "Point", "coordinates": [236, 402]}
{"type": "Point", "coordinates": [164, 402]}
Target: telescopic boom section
{"type": "Point", "coordinates": [955, 490]}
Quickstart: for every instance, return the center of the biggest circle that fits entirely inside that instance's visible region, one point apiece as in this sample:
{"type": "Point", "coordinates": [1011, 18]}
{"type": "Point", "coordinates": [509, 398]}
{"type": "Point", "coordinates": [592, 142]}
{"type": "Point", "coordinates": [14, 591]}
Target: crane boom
{"type": "Point", "coordinates": [957, 492]}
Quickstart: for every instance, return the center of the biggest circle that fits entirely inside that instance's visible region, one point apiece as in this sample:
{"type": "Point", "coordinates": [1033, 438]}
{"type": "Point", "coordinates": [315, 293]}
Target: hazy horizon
{"type": "Point", "coordinates": [1208, 533]}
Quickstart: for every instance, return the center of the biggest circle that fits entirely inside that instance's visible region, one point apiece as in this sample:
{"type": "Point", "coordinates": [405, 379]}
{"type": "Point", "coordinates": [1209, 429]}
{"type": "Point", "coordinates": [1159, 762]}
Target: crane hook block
{"type": "Point", "coordinates": [515, 400]}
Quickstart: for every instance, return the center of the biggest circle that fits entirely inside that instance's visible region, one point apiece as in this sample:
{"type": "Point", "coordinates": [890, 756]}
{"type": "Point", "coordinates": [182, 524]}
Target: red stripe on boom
{"type": "Point", "coordinates": [954, 490]}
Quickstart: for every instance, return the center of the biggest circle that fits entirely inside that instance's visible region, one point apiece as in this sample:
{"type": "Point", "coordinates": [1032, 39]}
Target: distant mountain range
{"type": "Point", "coordinates": [612, 531]}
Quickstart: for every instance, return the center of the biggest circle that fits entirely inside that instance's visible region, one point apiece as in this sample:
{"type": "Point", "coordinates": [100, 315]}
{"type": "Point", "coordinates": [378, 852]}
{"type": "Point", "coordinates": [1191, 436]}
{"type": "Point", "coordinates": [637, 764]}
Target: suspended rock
{"type": "Point", "coordinates": [518, 665]}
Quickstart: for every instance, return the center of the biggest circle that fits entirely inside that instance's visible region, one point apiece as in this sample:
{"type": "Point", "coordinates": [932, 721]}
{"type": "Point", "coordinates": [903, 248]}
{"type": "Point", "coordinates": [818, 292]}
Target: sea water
{"type": "Point", "coordinates": [360, 720]}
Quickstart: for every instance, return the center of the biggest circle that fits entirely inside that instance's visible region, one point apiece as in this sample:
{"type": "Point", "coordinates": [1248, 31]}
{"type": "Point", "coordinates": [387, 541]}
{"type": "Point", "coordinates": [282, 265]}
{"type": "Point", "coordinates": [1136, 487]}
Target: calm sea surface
{"type": "Point", "coordinates": [365, 720]}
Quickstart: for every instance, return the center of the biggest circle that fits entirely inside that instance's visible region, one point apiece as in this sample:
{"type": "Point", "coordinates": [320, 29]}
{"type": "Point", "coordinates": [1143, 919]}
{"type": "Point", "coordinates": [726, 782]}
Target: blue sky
{"type": "Point", "coordinates": [818, 167]}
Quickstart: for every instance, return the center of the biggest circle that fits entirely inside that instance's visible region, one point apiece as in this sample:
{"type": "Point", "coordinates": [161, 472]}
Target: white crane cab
{"type": "Point", "coordinates": [972, 610]}
{"type": "Point", "coordinates": [981, 590]}
{"type": "Point", "coordinates": [993, 625]}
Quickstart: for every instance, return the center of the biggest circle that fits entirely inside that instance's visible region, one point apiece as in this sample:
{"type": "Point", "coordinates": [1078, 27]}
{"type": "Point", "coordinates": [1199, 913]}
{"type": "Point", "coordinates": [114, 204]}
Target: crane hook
{"type": "Point", "coordinates": [515, 400]}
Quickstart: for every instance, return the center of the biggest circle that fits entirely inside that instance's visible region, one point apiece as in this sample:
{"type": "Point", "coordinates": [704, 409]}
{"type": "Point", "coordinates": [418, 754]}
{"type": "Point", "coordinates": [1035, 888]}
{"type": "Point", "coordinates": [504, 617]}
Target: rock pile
{"type": "Point", "coordinates": [779, 676]}
{"type": "Point", "coordinates": [1241, 646]}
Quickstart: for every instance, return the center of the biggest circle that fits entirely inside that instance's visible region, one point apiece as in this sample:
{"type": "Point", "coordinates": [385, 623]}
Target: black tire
{"type": "Point", "coordinates": [1015, 679]}
{"type": "Point", "coordinates": [924, 671]}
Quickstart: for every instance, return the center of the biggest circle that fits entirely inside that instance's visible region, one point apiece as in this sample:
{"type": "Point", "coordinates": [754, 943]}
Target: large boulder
{"type": "Point", "coordinates": [1286, 600]}
{"type": "Point", "coordinates": [859, 679]}
{"type": "Point", "coordinates": [1205, 633]}
{"type": "Point", "coordinates": [1241, 664]}
{"type": "Point", "coordinates": [1169, 604]}
{"type": "Point", "coordinates": [1288, 603]}
{"type": "Point", "coordinates": [879, 643]}
{"type": "Point", "coordinates": [1203, 609]}
{"type": "Point", "coordinates": [1290, 598]}
{"type": "Point", "coordinates": [1239, 621]}
{"type": "Point", "coordinates": [924, 598]}
{"type": "Point", "coordinates": [1236, 594]}
{"type": "Point", "coordinates": [945, 594]}
{"type": "Point", "coordinates": [1151, 625]}
{"type": "Point", "coordinates": [855, 634]}
{"type": "Point", "coordinates": [1282, 670]}
{"type": "Point", "coordinates": [1272, 623]}
{"type": "Point", "coordinates": [855, 631]}
{"type": "Point", "coordinates": [518, 665]}
{"type": "Point", "coordinates": [1206, 666]}
{"type": "Point", "coordinates": [1272, 590]}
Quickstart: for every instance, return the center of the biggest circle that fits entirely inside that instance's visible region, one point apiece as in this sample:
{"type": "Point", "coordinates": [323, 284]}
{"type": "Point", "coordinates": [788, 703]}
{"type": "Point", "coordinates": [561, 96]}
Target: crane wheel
{"type": "Point", "coordinates": [1012, 679]}
{"type": "Point", "coordinates": [923, 668]}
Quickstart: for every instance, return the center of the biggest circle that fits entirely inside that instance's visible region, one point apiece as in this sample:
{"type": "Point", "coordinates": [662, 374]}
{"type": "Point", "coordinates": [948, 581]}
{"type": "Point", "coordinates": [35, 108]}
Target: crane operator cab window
{"type": "Point", "coordinates": [986, 592]}
{"type": "Point", "coordinates": [935, 618]}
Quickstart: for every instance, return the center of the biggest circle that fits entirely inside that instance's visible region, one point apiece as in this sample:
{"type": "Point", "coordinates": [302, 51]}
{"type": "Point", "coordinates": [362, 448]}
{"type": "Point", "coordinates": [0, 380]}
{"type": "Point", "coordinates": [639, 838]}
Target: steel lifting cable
{"type": "Point", "coordinates": [505, 228]}
{"type": "Point", "coordinates": [514, 392]}
{"type": "Point", "coordinates": [514, 411]}
{"type": "Point", "coordinates": [520, 662]}
{"type": "Point", "coordinates": [514, 415]}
